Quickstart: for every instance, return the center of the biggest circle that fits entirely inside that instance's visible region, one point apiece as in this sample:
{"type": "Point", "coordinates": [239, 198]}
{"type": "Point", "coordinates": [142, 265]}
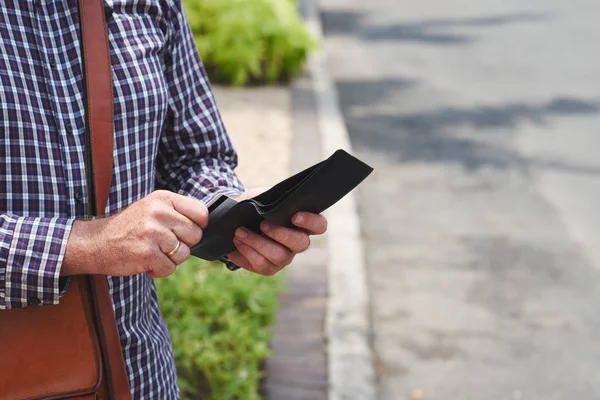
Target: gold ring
{"type": "Point", "coordinates": [175, 250]}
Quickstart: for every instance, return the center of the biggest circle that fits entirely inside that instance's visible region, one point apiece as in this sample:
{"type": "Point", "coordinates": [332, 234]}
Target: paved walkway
{"type": "Point", "coordinates": [274, 130]}
{"type": "Point", "coordinates": [297, 369]}
{"type": "Point", "coordinates": [259, 122]}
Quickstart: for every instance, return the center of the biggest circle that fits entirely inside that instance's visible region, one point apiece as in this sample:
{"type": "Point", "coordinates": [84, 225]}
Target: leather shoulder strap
{"type": "Point", "coordinates": [100, 126]}
{"type": "Point", "coordinates": [99, 97]}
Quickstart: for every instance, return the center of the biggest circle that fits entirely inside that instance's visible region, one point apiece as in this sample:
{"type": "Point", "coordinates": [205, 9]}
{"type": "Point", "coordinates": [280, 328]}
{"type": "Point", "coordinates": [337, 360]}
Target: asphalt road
{"type": "Point", "coordinates": [482, 220]}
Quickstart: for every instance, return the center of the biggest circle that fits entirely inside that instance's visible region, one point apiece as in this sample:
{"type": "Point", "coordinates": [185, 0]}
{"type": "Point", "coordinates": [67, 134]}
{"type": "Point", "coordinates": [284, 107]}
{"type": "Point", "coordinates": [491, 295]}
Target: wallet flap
{"type": "Point", "coordinates": [280, 191]}
{"type": "Point", "coordinates": [223, 220]}
{"type": "Point", "coordinates": [314, 190]}
{"type": "Point", "coordinates": [335, 178]}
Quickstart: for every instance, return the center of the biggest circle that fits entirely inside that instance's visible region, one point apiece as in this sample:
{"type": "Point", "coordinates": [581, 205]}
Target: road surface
{"type": "Point", "coordinates": [482, 220]}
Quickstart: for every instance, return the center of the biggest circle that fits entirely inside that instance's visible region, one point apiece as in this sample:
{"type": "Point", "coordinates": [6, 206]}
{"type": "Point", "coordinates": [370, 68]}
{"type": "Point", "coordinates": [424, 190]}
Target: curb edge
{"type": "Point", "coordinates": [351, 371]}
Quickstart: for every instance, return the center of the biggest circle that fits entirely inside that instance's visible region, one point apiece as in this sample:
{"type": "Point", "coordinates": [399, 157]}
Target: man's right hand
{"type": "Point", "coordinates": [137, 239]}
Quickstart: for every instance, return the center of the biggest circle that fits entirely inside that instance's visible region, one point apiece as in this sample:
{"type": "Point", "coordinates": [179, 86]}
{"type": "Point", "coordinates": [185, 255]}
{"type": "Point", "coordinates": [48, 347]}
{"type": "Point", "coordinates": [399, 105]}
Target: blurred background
{"type": "Point", "coordinates": [481, 221]}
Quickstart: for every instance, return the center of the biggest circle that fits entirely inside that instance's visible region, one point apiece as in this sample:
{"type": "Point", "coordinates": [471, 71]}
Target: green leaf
{"type": "Point", "coordinates": [219, 324]}
{"type": "Point", "coordinates": [243, 41]}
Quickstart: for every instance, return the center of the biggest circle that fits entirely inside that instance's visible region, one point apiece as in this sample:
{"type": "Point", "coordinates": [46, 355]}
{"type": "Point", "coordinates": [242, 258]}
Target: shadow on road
{"type": "Point", "coordinates": [376, 123]}
{"type": "Point", "coordinates": [472, 137]}
{"type": "Point", "coordinates": [433, 31]}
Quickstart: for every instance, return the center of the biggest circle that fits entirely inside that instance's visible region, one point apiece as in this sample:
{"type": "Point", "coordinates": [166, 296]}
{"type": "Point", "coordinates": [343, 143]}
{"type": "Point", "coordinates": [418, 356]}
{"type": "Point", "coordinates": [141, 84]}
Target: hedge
{"type": "Point", "coordinates": [219, 325]}
{"type": "Point", "coordinates": [249, 41]}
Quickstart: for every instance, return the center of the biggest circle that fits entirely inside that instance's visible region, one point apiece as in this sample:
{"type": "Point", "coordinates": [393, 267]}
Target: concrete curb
{"type": "Point", "coordinates": [350, 361]}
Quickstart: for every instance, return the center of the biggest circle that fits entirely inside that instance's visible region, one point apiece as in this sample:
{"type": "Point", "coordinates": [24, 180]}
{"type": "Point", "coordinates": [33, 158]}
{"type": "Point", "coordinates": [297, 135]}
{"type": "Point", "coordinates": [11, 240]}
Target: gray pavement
{"type": "Point", "coordinates": [481, 222]}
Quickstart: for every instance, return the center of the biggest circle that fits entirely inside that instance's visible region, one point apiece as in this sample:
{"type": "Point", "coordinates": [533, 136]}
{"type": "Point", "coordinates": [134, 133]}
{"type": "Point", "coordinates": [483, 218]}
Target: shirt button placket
{"type": "Point", "coordinates": [33, 301]}
{"type": "Point", "coordinates": [65, 124]}
{"type": "Point", "coordinates": [79, 197]}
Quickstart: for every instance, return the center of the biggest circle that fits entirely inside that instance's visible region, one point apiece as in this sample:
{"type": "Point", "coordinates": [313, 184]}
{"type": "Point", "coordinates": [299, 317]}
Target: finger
{"type": "Point", "coordinates": [183, 227]}
{"type": "Point", "coordinates": [182, 254]}
{"type": "Point", "coordinates": [168, 242]}
{"type": "Point", "coordinates": [295, 240]}
{"type": "Point", "coordinates": [193, 209]}
{"type": "Point", "coordinates": [315, 224]}
{"type": "Point", "coordinates": [238, 259]}
{"type": "Point", "coordinates": [161, 265]}
{"type": "Point", "coordinates": [259, 263]}
{"type": "Point", "coordinates": [275, 252]}
{"type": "Point", "coordinates": [190, 235]}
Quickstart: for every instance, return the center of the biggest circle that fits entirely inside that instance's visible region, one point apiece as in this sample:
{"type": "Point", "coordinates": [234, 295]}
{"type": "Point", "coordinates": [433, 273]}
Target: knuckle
{"type": "Point", "coordinates": [156, 210]}
{"type": "Point", "coordinates": [165, 269]}
{"type": "Point", "coordinates": [262, 264]}
{"type": "Point", "coordinates": [151, 211]}
{"type": "Point", "coordinates": [159, 273]}
{"type": "Point", "coordinates": [160, 194]}
{"type": "Point", "coordinates": [152, 197]}
{"type": "Point", "coordinates": [151, 228]}
{"type": "Point", "coordinates": [197, 235]}
{"type": "Point", "coordinates": [281, 236]}
{"type": "Point", "coordinates": [280, 257]}
{"type": "Point", "coordinates": [184, 254]}
{"type": "Point", "coordinates": [203, 220]}
{"type": "Point", "coordinates": [203, 210]}
{"type": "Point", "coordinates": [147, 254]}
{"type": "Point", "coordinates": [170, 269]}
{"type": "Point", "coordinates": [305, 244]}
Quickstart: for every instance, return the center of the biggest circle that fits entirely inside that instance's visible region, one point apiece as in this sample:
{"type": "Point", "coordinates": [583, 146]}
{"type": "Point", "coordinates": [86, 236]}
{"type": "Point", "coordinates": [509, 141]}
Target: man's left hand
{"type": "Point", "coordinates": [268, 254]}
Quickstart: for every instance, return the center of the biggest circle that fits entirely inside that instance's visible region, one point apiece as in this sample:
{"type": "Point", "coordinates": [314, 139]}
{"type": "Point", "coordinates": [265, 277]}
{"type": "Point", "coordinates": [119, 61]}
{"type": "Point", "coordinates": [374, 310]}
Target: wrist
{"type": "Point", "coordinates": [81, 256]}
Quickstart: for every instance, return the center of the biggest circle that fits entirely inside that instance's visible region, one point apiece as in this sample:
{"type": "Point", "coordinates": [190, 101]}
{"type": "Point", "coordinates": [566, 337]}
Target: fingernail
{"type": "Point", "coordinates": [265, 226]}
{"type": "Point", "coordinates": [242, 233]}
{"type": "Point", "coordinates": [237, 241]}
{"type": "Point", "coordinates": [299, 219]}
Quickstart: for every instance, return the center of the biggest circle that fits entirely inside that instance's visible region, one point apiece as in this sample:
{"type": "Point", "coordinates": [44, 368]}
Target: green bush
{"type": "Point", "coordinates": [244, 41]}
{"type": "Point", "coordinates": [219, 324]}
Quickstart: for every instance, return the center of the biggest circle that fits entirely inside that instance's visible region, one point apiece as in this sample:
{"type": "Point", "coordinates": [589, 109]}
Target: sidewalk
{"type": "Point", "coordinates": [298, 368]}
{"type": "Point", "coordinates": [274, 130]}
{"type": "Point", "coordinates": [259, 122]}
{"type": "Point", "coordinates": [321, 339]}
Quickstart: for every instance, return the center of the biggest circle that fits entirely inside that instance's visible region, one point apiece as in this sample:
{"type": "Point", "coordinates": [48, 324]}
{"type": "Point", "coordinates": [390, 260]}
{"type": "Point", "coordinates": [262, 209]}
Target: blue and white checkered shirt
{"type": "Point", "coordinates": [168, 135]}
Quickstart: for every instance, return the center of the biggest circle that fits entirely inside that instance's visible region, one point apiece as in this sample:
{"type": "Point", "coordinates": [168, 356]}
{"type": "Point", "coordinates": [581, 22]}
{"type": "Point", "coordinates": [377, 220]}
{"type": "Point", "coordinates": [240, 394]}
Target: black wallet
{"type": "Point", "coordinates": [314, 190]}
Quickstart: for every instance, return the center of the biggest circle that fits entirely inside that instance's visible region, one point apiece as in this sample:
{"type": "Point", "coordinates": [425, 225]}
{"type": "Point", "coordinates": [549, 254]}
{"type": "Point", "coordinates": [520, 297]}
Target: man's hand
{"type": "Point", "coordinates": [267, 255]}
{"type": "Point", "coordinates": [138, 239]}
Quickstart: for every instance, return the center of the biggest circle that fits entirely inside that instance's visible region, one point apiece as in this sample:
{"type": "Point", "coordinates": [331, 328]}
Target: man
{"type": "Point", "coordinates": [169, 138]}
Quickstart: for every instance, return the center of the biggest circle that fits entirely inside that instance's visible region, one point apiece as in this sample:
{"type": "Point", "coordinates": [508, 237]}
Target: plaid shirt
{"type": "Point", "coordinates": [168, 135]}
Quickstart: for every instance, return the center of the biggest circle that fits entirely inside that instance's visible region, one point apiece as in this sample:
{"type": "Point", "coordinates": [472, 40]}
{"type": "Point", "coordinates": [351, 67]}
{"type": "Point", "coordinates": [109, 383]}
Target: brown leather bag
{"type": "Point", "coordinates": [72, 350]}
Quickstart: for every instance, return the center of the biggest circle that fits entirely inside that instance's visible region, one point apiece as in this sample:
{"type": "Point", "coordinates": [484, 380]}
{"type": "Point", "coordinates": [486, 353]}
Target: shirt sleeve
{"type": "Point", "coordinates": [31, 254]}
{"type": "Point", "coordinates": [196, 156]}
